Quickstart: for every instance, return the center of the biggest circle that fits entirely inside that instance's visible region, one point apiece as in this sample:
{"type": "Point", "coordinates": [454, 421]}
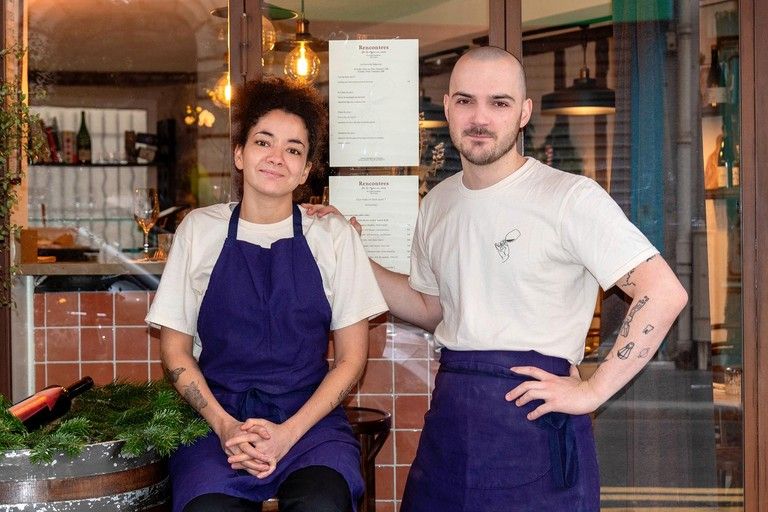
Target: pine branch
{"type": "Point", "coordinates": [145, 416]}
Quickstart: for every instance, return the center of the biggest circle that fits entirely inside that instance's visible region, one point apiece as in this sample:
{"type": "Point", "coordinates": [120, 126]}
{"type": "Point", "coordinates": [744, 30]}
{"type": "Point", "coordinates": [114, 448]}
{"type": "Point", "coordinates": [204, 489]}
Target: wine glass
{"type": "Point", "coordinates": [146, 209]}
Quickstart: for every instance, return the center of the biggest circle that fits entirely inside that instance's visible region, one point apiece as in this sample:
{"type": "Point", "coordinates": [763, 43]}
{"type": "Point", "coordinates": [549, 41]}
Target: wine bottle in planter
{"type": "Point", "coordinates": [49, 403]}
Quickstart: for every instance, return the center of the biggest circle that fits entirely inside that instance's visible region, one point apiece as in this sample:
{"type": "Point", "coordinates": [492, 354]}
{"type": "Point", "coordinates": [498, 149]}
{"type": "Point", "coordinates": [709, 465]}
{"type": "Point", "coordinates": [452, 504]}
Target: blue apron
{"type": "Point", "coordinates": [479, 452]}
{"type": "Point", "coordinates": [264, 323]}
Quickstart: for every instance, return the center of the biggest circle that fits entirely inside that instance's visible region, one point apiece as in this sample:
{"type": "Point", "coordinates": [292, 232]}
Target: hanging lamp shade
{"type": "Point", "coordinates": [302, 36]}
{"type": "Point", "coordinates": [583, 98]}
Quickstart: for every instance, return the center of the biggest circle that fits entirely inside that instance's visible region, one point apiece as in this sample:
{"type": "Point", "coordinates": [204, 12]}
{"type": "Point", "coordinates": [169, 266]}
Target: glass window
{"type": "Point", "coordinates": [661, 134]}
{"type": "Point", "coordinates": [131, 95]}
{"type": "Point", "coordinates": [444, 31]}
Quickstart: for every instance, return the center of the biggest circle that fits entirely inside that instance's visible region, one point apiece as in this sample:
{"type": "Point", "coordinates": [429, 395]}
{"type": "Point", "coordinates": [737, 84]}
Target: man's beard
{"type": "Point", "coordinates": [488, 155]}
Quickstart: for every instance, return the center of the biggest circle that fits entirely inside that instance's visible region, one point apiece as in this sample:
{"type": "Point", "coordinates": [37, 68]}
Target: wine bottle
{"type": "Point", "coordinates": [83, 142]}
{"type": "Point", "coordinates": [722, 163]}
{"type": "Point", "coordinates": [49, 403]}
{"type": "Point", "coordinates": [715, 80]}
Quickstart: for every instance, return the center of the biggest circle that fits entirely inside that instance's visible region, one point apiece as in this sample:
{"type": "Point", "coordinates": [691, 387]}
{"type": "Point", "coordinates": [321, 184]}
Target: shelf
{"type": "Point", "coordinates": [723, 193]}
{"type": "Point", "coordinates": [83, 220]}
{"type": "Point", "coordinates": [92, 165]}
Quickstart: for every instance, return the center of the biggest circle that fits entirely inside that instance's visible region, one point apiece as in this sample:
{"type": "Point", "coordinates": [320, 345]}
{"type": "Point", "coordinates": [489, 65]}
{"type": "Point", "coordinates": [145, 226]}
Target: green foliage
{"type": "Point", "coordinates": [21, 139]}
{"type": "Point", "coordinates": [145, 416]}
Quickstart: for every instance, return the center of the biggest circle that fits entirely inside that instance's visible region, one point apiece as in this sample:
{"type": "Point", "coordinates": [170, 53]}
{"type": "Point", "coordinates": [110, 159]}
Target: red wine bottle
{"type": "Point", "coordinates": [49, 403]}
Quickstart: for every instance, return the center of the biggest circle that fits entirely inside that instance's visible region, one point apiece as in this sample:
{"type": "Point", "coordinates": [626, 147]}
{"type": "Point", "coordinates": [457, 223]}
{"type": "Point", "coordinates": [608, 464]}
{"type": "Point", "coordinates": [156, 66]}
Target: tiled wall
{"type": "Point", "coordinates": [103, 335]}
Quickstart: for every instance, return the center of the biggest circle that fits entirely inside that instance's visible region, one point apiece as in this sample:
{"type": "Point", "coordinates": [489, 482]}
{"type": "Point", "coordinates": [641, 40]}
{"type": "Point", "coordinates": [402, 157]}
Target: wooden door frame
{"type": "Point", "coordinates": [754, 127]}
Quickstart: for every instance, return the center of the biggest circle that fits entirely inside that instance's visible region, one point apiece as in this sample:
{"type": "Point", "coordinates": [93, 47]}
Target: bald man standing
{"type": "Point", "coordinates": [506, 262]}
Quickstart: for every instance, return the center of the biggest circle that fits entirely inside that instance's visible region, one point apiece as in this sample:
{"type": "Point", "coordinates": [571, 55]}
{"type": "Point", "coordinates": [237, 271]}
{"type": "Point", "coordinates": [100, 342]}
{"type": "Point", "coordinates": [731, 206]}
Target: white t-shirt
{"type": "Point", "coordinates": [517, 265]}
{"type": "Point", "coordinates": [348, 279]}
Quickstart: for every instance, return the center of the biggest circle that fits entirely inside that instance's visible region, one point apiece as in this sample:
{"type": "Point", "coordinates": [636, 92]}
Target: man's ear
{"type": "Point", "coordinates": [525, 115]}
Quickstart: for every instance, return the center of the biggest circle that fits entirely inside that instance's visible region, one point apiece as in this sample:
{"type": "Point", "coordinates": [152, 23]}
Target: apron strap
{"type": "Point", "coordinates": [233, 219]}
{"type": "Point", "coordinates": [297, 229]}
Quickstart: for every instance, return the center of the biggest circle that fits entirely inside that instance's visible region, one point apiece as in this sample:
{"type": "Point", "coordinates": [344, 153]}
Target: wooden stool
{"type": "Point", "coordinates": [372, 429]}
{"type": "Point", "coordinates": [371, 426]}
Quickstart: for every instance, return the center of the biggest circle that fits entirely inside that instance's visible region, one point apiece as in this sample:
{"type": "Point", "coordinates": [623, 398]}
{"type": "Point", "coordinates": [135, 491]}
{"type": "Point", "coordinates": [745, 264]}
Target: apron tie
{"type": "Point", "coordinates": [275, 408]}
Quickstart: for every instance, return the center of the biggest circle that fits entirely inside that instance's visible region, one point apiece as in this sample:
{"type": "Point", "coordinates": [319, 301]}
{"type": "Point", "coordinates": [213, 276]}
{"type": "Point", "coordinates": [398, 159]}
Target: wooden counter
{"type": "Point", "coordinates": [92, 268]}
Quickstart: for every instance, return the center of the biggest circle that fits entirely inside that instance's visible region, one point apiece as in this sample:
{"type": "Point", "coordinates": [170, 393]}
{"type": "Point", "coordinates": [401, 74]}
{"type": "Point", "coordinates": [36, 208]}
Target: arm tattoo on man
{"type": "Point", "coordinates": [625, 325]}
{"type": "Point", "coordinates": [172, 376]}
{"type": "Point", "coordinates": [194, 397]}
{"type": "Point", "coordinates": [643, 353]}
{"type": "Point", "coordinates": [648, 328]}
{"type": "Point", "coordinates": [652, 257]}
{"type": "Point", "coordinates": [627, 281]}
{"type": "Point", "coordinates": [624, 351]}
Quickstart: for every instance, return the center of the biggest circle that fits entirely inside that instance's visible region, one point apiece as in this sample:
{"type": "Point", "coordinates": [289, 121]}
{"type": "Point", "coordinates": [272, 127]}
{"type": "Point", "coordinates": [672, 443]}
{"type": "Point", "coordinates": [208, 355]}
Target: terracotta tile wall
{"type": "Point", "coordinates": [103, 335]}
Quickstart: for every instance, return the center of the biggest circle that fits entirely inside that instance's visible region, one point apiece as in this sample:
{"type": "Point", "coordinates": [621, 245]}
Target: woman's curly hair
{"type": "Point", "coordinates": [256, 98]}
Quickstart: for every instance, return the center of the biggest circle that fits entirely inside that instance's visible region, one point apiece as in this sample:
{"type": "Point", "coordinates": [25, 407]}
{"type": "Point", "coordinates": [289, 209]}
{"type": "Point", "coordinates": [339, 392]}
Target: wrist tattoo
{"type": "Point", "coordinates": [648, 328]}
{"type": "Point", "coordinates": [628, 320]}
{"type": "Point", "coordinates": [172, 376]}
{"type": "Point", "coordinates": [643, 353]}
{"type": "Point", "coordinates": [193, 395]}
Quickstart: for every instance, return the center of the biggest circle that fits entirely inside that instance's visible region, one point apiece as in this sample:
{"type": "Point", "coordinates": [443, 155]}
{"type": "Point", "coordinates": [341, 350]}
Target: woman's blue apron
{"type": "Point", "coordinates": [264, 325]}
{"type": "Point", "coordinates": [479, 452]}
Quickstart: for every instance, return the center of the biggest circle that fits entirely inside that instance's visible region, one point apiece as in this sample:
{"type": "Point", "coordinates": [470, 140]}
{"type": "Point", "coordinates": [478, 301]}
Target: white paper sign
{"type": "Point", "coordinates": [386, 207]}
{"type": "Point", "coordinates": [373, 96]}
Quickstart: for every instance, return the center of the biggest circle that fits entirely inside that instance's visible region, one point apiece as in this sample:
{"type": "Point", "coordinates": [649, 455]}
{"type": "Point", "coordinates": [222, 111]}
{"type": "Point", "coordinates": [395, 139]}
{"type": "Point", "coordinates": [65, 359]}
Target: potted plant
{"type": "Point", "coordinates": [107, 453]}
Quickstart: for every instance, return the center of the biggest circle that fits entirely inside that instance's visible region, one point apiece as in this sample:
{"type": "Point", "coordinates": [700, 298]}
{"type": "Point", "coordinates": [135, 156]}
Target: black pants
{"type": "Point", "coordinates": [311, 489]}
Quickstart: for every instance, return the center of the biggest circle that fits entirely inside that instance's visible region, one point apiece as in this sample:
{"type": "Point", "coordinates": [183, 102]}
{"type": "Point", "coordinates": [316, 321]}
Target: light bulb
{"type": "Point", "coordinates": [268, 35]}
{"type": "Point", "coordinates": [221, 94]}
{"type": "Point", "coordinates": [302, 64]}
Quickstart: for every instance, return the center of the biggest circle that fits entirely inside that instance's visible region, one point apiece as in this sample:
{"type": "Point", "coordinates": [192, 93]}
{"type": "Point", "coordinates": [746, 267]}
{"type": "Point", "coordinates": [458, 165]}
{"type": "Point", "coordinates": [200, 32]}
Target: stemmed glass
{"type": "Point", "coordinates": [146, 209]}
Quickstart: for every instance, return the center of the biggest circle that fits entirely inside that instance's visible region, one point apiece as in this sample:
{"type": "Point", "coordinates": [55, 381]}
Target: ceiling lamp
{"type": "Point", "coordinates": [221, 94]}
{"type": "Point", "coordinates": [268, 32]}
{"type": "Point", "coordinates": [583, 98]}
{"type": "Point", "coordinates": [302, 63]}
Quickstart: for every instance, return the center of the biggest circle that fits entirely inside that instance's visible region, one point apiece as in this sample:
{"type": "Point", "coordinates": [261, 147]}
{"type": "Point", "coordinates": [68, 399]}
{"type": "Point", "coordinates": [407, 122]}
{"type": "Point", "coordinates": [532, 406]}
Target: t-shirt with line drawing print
{"type": "Point", "coordinates": [517, 265]}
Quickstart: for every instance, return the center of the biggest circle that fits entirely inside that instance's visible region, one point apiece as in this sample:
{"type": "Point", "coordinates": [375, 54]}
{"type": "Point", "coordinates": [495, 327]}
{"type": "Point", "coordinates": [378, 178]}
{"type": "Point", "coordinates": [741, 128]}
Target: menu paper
{"type": "Point", "coordinates": [373, 96]}
{"type": "Point", "coordinates": [386, 207]}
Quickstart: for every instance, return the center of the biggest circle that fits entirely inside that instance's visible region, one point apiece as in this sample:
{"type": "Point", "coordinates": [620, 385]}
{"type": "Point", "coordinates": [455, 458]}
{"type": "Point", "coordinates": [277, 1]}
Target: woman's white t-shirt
{"type": "Point", "coordinates": [348, 279]}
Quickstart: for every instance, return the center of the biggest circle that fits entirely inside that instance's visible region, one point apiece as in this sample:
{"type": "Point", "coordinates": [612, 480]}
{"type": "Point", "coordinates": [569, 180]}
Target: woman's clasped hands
{"type": "Point", "coordinates": [257, 445]}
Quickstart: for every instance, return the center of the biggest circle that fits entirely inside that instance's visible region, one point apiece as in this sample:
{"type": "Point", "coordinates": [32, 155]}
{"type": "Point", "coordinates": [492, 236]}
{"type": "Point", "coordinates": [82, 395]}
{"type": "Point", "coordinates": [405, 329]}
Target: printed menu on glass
{"type": "Point", "coordinates": [373, 96]}
{"type": "Point", "coordinates": [386, 207]}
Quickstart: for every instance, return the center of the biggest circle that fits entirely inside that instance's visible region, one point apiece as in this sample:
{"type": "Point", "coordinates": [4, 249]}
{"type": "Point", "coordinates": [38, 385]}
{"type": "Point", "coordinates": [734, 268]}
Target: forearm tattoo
{"type": "Point", "coordinates": [343, 394]}
{"type": "Point", "coordinates": [172, 376]}
{"type": "Point", "coordinates": [628, 320]}
{"type": "Point", "coordinates": [624, 351]}
{"type": "Point", "coordinates": [648, 328]}
{"type": "Point", "coordinates": [193, 395]}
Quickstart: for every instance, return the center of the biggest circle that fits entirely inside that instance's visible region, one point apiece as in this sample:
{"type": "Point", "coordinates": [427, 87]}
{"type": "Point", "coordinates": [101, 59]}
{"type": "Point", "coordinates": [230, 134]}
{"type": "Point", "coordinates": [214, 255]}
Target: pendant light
{"type": "Point", "coordinates": [302, 63]}
{"type": "Point", "coordinates": [584, 97]}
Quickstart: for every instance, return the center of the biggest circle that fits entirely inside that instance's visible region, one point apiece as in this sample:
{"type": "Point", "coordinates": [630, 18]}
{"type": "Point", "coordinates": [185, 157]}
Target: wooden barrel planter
{"type": "Point", "coordinates": [99, 479]}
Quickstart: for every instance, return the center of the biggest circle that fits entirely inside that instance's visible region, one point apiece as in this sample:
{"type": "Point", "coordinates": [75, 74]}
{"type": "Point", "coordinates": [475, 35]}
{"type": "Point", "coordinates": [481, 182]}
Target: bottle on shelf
{"type": "Point", "coordinates": [49, 403]}
{"type": "Point", "coordinates": [83, 142]}
{"type": "Point", "coordinates": [727, 162]}
{"type": "Point", "coordinates": [716, 92]}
